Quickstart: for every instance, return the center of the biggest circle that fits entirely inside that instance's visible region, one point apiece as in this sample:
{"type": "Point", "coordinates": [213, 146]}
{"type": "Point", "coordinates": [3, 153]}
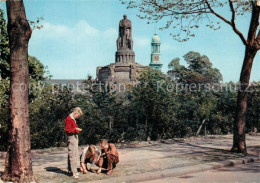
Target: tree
{"type": "Point", "coordinates": [18, 164]}
{"type": "Point", "coordinates": [36, 76]}
{"type": "Point", "coordinates": [155, 104]}
{"type": "Point", "coordinates": [223, 115]}
{"type": "Point", "coordinates": [187, 15]}
{"type": "Point", "coordinates": [253, 113]}
{"type": "Point", "coordinates": [199, 69]}
{"type": "Point", "coordinates": [4, 48]}
{"type": "Point", "coordinates": [4, 65]}
{"type": "Point", "coordinates": [196, 102]}
{"type": "Point", "coordinates": [47, 113]}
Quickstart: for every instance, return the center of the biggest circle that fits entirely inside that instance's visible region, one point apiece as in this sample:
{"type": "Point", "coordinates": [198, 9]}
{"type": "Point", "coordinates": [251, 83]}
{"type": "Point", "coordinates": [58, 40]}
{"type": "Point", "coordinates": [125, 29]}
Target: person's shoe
{"type": "Point", "coordinates": [109, 172]}
{"type": "Point", "coordinates": [75, 175]}
{"type": "Point", "coordinates": [70, 173]}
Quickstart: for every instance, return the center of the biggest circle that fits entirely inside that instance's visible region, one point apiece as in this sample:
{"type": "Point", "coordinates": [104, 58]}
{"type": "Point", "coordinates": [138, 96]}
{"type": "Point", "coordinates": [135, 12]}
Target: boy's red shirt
{"type": "Point", "coordinates": [70, 126]}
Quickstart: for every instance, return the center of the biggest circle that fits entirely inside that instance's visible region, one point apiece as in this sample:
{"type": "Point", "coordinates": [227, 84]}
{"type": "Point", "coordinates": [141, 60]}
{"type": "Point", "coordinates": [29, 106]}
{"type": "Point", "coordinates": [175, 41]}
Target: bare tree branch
{"type": "Point", "coordinates": [232, 23]}
{"type": "Point", "coordinates": [216, 14]}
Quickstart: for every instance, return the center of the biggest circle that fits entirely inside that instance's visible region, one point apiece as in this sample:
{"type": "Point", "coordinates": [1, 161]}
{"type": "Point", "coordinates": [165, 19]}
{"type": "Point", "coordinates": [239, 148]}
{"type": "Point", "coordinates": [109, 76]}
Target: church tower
{"type": "Point", "coordinates": [155, 52]}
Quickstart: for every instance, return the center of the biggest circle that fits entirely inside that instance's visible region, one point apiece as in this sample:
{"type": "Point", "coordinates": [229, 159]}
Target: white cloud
{"type": "Point", "coordinates": [81, 30]}
{"type": "Point", "coordinates": [141, 42]}
{"type": "Point", "coordinates": [110, 33]}
{"type": "Point", "coordinates": [50, 30]}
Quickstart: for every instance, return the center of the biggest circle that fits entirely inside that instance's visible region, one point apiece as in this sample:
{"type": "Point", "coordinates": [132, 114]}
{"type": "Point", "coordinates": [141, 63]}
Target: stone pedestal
{"type": "Point", "coordinates": [120, 73]}
{"type": "Point", "coordinates": [125, 56]}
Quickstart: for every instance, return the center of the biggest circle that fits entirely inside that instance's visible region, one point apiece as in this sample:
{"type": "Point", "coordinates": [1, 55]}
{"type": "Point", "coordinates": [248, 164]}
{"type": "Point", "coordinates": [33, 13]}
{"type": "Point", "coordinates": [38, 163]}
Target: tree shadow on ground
{"type": "Point", "coordinates": [198, 153]}
{"type": "Point", "coordinates": [215, 154]}
{"type": "Point", "coordinates": [126, 146]}
{"type": "Point", "coordinates": [253, 167]}
{"type": "Point", "coordinates": [56, 170]}
{"type": "Point", "coordinates": [186, 177]}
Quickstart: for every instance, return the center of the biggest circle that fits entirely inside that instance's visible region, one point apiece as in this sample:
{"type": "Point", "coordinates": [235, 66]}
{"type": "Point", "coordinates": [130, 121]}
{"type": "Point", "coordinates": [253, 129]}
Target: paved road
{"type": "Point", "coordinates": [248, 173]}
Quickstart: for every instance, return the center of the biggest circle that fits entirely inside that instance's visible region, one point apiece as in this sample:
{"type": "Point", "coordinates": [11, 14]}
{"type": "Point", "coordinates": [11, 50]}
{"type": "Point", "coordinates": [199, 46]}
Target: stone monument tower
{"type": "Point", "coordinates": [125, 53]}
{"type": "Point", "coordinates": [125, 69]}
{"type": "Point", "coordinates": [155, 52]}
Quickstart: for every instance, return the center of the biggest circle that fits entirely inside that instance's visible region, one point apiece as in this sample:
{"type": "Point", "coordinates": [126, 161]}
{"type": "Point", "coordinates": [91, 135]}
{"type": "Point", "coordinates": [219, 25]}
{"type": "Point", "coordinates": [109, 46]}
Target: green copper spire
{"type": "Point", "coordinates": [155, 52]}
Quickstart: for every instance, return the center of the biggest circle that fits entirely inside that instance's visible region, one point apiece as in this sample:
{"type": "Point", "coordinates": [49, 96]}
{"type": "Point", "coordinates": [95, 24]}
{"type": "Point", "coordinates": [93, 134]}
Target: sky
{"type": "Point", "coordinates": [79, 35]}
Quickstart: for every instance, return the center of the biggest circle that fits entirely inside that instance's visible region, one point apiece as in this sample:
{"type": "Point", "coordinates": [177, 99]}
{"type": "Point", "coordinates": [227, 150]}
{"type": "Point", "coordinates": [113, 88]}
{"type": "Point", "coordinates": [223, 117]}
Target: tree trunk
{"type": "Point", "coordinates": [198, 131]}
{"type": "Point", "coordinates": [205, 130]}
{"type": "Point", "coordinates": [239, 139]}
{"type": "Point", "coordinates": [146, 128]}
{"type": "Point", "coordinates": [18, 164]}
{"type": "Point", "coordinates": [252, 46]}
{"type": "Point", "coordinates": [110, 125]}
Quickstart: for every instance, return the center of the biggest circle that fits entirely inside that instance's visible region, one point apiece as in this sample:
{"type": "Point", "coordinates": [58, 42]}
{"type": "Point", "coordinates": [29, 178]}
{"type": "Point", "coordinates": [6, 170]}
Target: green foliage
{"type": "Point", "coordinates": [4, 81]}
{"type": "Point", "coordinates": [4, 88]}
{"type": "Point", "coordinates": [36, 69]}
{"type": "Point", "coordinates": [198, 101]}
{"type": "Point", "coordinates": [154, 105]}
{"type": "Point", "coordinates": [101, 110]}
{"type": "Point", "coordinates": [4, 48]}
{"type": "Point", "coordinates": [252, 116]}
{"type": "Point", "coordinates": [153, 109]}
{"type": "Point", "coordinates": [47, 117]}
{"type": "Point", "coordinates": [199, 69]}
{"type": "Point", "coordinates": [221, 121]}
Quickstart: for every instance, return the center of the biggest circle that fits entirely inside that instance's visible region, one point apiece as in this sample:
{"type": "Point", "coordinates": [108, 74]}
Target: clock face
{"type": "Point", "coordinates": [156, 58]}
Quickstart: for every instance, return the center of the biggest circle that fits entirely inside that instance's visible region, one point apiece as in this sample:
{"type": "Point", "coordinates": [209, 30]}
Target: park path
{"type": "Point", "coordinates": [50, 164]}
{"type": "Point", "coordinates": [244, 173]}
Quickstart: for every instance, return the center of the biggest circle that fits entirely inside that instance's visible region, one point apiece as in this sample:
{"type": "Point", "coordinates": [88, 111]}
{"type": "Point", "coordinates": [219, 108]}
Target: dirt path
{"type": "Point", "coordinates": [50, 165]}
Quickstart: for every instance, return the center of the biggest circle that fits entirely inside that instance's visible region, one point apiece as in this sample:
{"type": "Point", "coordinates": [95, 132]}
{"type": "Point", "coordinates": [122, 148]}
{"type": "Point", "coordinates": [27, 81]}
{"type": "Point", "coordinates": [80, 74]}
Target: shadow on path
{"type": "Point", "coordinates": [253, 167]}
{"type": "Point", "coordinates": [56, 170]}
{"type": "Point", "coordinates": [186, 177]}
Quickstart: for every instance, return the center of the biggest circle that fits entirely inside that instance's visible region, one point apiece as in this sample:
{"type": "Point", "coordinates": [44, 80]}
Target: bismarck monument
{"type": "Point", "coordinates": [125, 69]}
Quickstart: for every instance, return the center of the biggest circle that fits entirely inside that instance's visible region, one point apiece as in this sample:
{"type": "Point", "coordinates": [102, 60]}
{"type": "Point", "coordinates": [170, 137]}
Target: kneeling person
{"type": "Point", "coordinates": [109, 157]}
{"type": "Point", "coordinates": [90, 155]}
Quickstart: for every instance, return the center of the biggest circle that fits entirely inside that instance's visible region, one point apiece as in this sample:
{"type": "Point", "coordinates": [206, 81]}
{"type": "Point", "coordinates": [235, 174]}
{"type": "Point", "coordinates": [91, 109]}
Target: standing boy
{"type": "Point", "coordinates": [72, 131]}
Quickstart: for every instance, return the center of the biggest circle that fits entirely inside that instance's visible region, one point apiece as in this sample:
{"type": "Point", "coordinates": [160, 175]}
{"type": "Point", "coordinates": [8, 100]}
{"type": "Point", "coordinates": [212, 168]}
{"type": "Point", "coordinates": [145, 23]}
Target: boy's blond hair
{"type": "Point", "coordinates": [92, 148]}
{"type": "Point", "coordinates": [78, 110]}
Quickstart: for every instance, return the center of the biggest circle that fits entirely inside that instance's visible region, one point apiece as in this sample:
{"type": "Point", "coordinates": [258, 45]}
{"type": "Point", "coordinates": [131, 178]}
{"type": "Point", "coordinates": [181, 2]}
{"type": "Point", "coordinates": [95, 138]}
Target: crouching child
{"type": "Point", "coordinates": [109, 157]}
{"type": "Point", "coordinates": [90, 154]}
